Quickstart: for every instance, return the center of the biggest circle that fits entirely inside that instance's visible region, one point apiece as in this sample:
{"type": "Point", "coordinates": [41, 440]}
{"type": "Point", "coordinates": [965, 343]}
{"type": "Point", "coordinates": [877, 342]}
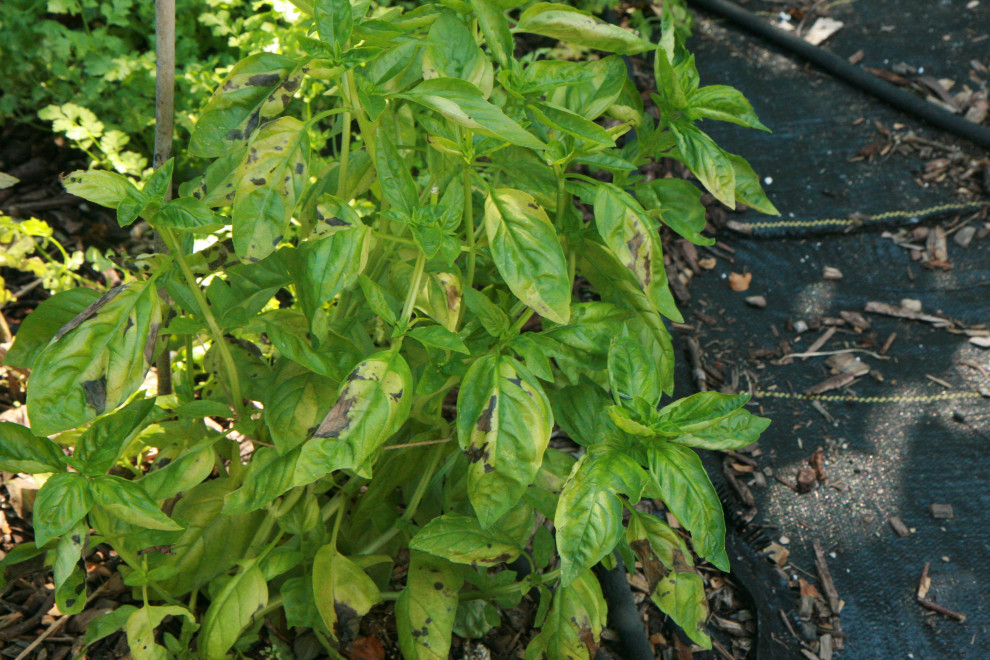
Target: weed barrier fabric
{"type": "Point", "coordinates": [919, 442]}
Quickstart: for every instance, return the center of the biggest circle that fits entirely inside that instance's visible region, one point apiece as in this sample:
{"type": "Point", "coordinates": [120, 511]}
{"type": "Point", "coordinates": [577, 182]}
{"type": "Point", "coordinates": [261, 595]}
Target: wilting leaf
{"type": "Point", "coordinates": [425, 611]}
{"type": "Point", "coordinates": [44, 322]}
{"type": "Point", "coordinates": [503, 425]}
{"type": "Point", "coordinates": [573, 626]}
{"type": "Point", "coordinates": [559, 21]}
{"type": "Point", "coordinates": [527, 253]}
{"type": "Point", "coordinates": [96, 365]}
{"type": "Point", "coordinates": [463, 541]}
{"type": "Point", "coordinates": [269, 182]}
{"type": "Point", "coordinates": [343, 592]}
{"type": "Point", "coordinates": [257, 88]}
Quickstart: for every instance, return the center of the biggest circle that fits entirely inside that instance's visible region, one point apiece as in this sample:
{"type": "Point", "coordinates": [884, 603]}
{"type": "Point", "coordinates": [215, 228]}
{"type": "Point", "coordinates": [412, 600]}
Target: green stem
{"type": "Point", "coordinates": [233, 385]}
{"type": "Point", "coordinates": [190, 375]}
{"type": "Point", "coordinates": [469, 227]}
{"type": "Point", "coordinates": [520, 322]}
{"type": "Point", "coordinates": [407, 307]}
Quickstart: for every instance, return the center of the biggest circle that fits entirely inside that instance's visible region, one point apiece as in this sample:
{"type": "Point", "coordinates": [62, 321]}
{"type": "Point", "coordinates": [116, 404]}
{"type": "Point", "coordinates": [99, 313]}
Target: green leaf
{"type": "Point", "coordinates": [527, 253]}
{"type": "Point", "coordinates": [565, 121]}
{"type": "Point", "coordinates": [97, 361]}
{"type": "Point", "coordinates": [100, 187]}
{"type": "Point", "coordinates": [372, 404]}
{"type": "Point", "coordinates": [187, 214]}
{"type": "Point", "coordinates": [325, 266]}
{"type": "Point", "coordinates": [593, 95]}
{"type": "Point", "coordinates": [231, 611]}
{"type": "Point", "coordinates": [102, 443]}
{"type": "Point", "coordinates": [503, 426]}
{"type": "Point", "coordinates": [425, 611]}
{"type": "Point", "coordinates": [706, 160]}
{"type": "Point", "coordinates": [453, 53]}
{"type": "Point", "coordinates": [462, 540]}
{"type": "Point", "coordinates": [44, 322]}
{"type": "Point", "coordinates": [711, 420]}
{"type": "Point", "coordinates": [257, 88]}
{"type": "Point", "coordinates": [63, 501]}
{"type": "Point", "coordinates": [140, 628]}
{"type": "Point", "coordinates": [128, 501]}
{"type": "Point", "coordinates": [343, 591]}
{"type": "Point", "coordinates": [465, 105]}
{"type": "Point", "coordinates": [493, 319]}
{"type": "Point", "coordinates": [8, 181]}
{"type": "Point", "coordinates": [544, 76]}
{"type": "Point", "coordinates": [22, 451]}
{"type": "Point", "coordinates": [398, 187]}
{"type": "Point", "coordinates": [678, 205]}
{"type": "Point", "coordinates": [108, 623]}
{"type": "Point", "coordinates": [723, 103]}
{"type": "Point", "coordinates": [270, 475]}
{"type": "Point", "coordinates": [70, 579]}
{"type": "Point", "coordinates": [334, 23]}
{"type": "Point", "coordinates": [491, 19]}
{"type": "Point", "coordinates": [630, 372]}
{"type": "Point", "coordinates": [615, 283]}
{"type": "Point", "coordinates": [675, 585]}
{"type": "Point", "coordinates": [580, 410]}
{"type": "Point", "coordinates": [573, 627]}
{"type": "Point", "coordinates": [558, 21]}
{"type": "Point", "coordinates": [589, 514]}
{"type": "Point", "coordinates": [669, 85]}
{"type": "Point", "coordinates": [633, 239]}
{"type": "Point", "coordinates": [212, 541]}
{"type": "Point", "coordinates": [689, 494]}
{"type": "Point", "coordinates": [748, 188]}
{"type": "Point", "coordinates": [295, 405]}
{"type": "Point", "coordinates": [378, 299]}
{"type": "Point", "coordinates": [269, 182]}
{"type": "Point", "coordinates": [439, 337]}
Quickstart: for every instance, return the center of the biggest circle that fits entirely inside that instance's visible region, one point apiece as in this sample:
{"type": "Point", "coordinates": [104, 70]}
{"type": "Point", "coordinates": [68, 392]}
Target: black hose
{"type": "Point", "coordinates": [623, 617]}
{"type": "Point", "coordinates": [843, 70]}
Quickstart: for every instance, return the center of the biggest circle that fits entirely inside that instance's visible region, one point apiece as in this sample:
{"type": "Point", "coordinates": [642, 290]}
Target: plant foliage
{"type": "Point", "coordinates": [377, 294]}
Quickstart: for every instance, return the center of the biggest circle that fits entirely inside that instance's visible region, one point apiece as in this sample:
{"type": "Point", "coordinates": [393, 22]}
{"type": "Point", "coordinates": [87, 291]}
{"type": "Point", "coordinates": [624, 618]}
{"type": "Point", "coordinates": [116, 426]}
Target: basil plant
{"type": "Point", "coordinates": [409, 257]}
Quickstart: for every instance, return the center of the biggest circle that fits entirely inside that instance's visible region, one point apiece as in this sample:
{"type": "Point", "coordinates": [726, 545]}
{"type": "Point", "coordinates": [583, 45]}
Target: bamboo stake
{"type": "Point", "coordinates": [164, 127]}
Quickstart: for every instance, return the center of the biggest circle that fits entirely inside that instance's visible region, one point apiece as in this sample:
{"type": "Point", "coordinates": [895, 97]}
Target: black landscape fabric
{"type": "Point", "coordinates": [925, 438]}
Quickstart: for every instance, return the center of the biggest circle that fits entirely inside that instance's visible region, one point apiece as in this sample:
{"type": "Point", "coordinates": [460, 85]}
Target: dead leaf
{"type": "Point", "coordinates": [823, 28]}
{"type": "Point", "coordinates": [367, 648]}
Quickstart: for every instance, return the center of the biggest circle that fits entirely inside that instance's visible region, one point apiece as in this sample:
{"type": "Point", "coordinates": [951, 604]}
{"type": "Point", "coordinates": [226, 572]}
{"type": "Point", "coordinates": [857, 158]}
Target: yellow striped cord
{"type": "Point", "coordinates": [887, 215]}
{"type": "Point", "coordinates": [917, 398]}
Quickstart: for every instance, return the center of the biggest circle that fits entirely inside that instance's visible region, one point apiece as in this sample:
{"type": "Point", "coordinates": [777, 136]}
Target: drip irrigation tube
{"type": "Point", "coordinates": [843, 70]}
{"type": "Point", "coordinates": [623, 617]}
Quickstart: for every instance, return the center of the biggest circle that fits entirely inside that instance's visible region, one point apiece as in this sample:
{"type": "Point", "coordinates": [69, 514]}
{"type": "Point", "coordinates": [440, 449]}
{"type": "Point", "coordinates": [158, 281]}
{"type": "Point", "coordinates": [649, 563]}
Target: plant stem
{"type": "Point", "coordinates": [469, 228]}
{"type": "Point", "coordinates": [345, 153]}
{"type": "Point", "coordinates": [164, 130]}
{"type": "Point", "coordinates": [407, 307]}
{"type": "Point", "coordinates": [233, 385]}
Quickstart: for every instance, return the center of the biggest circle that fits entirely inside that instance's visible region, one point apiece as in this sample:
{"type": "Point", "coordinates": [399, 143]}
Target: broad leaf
{"type": "Point", "coordinates": [334, 23]}
{"type": "Point", "coordinates": [323, 267]}
{"type": "Point", "coordinates": [128, 501]}
{"type": "Point", "coordinates": [559, 21]}
{"type": "Point", "coordinates": [632, 236]}
{"type": "Point", "coordinates": [573, 627]}
{"type": "Point", "coordinates": [527, 252]}
{"type": "Point", "coordinates": [706, 160]}
{"type": "Point", "coordinates": [295, 404]}
{"type": "Point", "coordinates": [503, 425]}
{"type": "Point", "coordinates": [723, 103]}
{"type": "Point", "coordinates": [398, 187]}
{"type": "Point", "coordinates": [675, 585]}
{"type": "Point", "coordinates": [371, 405]}
{"type": "Point", "coordinates": [491, 19]}
{"type": "Point", "coordinates": [748, 188]}
{"type": "Point", "coordinates": [343, 592]}
{"type": "Point", "coordinates": [22, 451]}
{"type": "Point", "coordinates": [96, 361]}
{"type": "Point", "coordinates": [231, 611]}
{"type": "Point", "coordinates": [462, 540]}
{"type": "Point", "coordinates": [425, 611]}
{"type": "Point", "coordinates": [465, 105]}
{"type": "Point", "coordinates": [63, 501]}
{"type": "Point", "coordinates": [257, 88]}
{"type": "Point", "coordinates": [630, 372]}
{"type": "Point", "coordinates": [140, 628]}
{"type": "Point", "coordinates": [100, 187]}
{"type": "Point", "coordinates": [44, 322]}
{"type": "Point", "coordinates": [678, 205]}
{"type": "Point", "coordinates": [103, 442]}
{"type": "Point", "coordinates": [589, 514]}
{"type": "Point", "coordinates": [269, 182]}
{"type": "Point", "coordinates": [689, 494]}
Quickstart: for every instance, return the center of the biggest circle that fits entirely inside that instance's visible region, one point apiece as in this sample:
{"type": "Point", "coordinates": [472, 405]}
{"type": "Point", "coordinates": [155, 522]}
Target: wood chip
{"type": "Point", "coordinates": [903, 313]}
{"type": "Point", "coordinates": [941, 511]}
{"type": "Point", "coordinates": [823, 28]}
{"type": "Point", "coordinates": [857, 57]}
{"type": "Point", "coordinates": [825, 577]}
{"type": "Point", "coordinates": [833, 383]}
{"type": "Point", "coordinates": [898, 526]}
{"type": "Point", "coordinates": [806, 480]}
{"type": "Point", "coordinates": [982, 342]}
{"type": "Point", "coordinates": [822, 338]}
{"type": "Point", "coordinates": [832, 273]}
{"type": "Point", "coordinates": [825, 647]}
{"type": "Point", "coordinates": [740, 281]}
{"type": "Point", "coordinates": [856, 320]}
{"type": "Point", "coordinates": [925, 583]}
{"type": "Point", "coordinates": [965, 236]}
{"type": "Point", "coordinates": [756, 301]}
{"type": "Point", "coordinates": [911, 304]}
{"type": "Point", "coordinates": [708, 263]}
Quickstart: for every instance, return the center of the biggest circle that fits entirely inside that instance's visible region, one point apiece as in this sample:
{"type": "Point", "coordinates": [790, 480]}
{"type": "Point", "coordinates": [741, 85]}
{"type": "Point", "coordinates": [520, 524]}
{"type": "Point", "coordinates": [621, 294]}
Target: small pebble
{"type": "Point", "coordinates": [945, 559]}
{"type": "Point", "coordinates": [964, 236]}
{"type": "Point", "coordinates": [784, 540]}
{"type": "Point", "coordinates": [911, 305]}
{"type": "Point", "coordinates": [800, 326]}
{"type": "Point", "coordinates": [756, 301]}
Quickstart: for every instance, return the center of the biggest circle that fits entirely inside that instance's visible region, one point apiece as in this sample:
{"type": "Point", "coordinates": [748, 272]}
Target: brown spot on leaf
{"type": "Point", "coordinates": [95, 392]}
{"type": "Point", "coordinates": [395, 396]}
{"type": "Point", "coordinates": [336, 420]}
{"type": "Point", "coordinates": [89, 312]}
{"type": "Point", "coordinates": [438, 586]}
{"type": "Point", "coordinates": [130, 324]}
{"type": "Point", "coordinates": [149, 343]}
{"type": "Point", "coordinates": [336, 222]}
{"type": "Point", "coordinates": [587, 638]}
{"type": "Point", "coordinates": [485, 420]}
{"type": "Point", "coordinates": [475, 454]}
{"type": "Point", "coordinates": [264, 79]}
{"type": "Point", "coordinates": [532, 205]}
{"type": "Point", "coordinates": [291, 84]}
{"type": "Point", "coordinates": [299, 168]}
{"type": "Point", "coordinates": [260, 181]}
